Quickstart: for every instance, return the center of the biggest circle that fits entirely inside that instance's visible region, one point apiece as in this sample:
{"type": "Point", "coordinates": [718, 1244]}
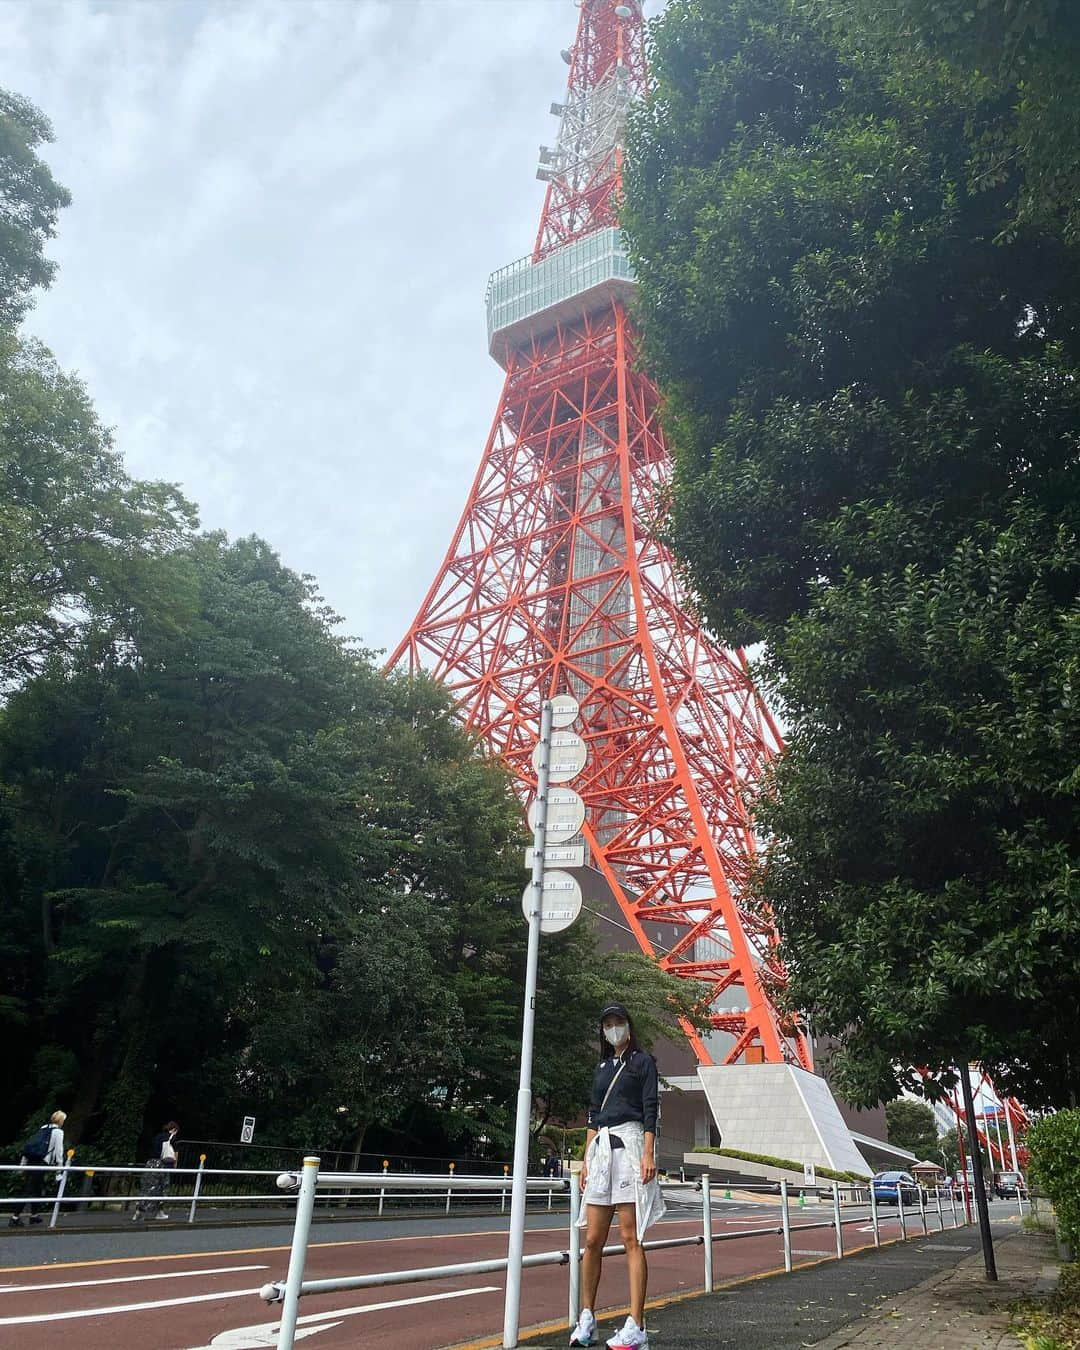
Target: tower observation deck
{"type": "Point", "coordinates": [555, 582]}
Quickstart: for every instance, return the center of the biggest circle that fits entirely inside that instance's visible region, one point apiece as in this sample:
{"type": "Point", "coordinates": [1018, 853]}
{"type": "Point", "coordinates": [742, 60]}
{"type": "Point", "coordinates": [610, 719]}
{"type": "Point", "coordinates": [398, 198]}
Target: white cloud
{"type": "Point", "coordinates": [272, 274]}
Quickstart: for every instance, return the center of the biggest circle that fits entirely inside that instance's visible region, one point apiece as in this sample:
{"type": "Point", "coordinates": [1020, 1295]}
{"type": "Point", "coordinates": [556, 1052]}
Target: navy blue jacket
{"type": "Point", "coordinates": [635, 1096]}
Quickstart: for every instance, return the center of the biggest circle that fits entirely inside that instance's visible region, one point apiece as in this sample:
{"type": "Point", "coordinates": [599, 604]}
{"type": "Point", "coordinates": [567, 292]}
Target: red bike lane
{"type": "Point", "coordinates": [209, 1299]}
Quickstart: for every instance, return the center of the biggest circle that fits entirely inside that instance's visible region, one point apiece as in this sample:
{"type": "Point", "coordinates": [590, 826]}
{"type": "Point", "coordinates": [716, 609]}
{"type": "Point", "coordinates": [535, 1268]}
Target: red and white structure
{"type": "Point", "coordinates": [555, 582]}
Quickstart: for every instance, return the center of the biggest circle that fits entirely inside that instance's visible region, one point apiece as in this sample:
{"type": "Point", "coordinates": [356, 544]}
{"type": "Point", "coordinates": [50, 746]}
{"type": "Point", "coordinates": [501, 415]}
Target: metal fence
{"type": "Point", "coordinates": [188, 1188]}
{"type": "Point", "coordinates": [934, 1212]}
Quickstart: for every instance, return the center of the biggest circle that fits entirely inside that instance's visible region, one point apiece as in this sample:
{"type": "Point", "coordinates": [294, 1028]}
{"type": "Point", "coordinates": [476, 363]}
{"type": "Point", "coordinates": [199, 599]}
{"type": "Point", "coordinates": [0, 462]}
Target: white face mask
{"type": "Point", "coordinates": [617, 1034]}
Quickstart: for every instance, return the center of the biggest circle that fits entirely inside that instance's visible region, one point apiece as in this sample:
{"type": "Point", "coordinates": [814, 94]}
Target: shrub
{"type": "Point", "coordinates": [787, 1163]}
{"type": "Point", "coordinates": [1055, 1167]}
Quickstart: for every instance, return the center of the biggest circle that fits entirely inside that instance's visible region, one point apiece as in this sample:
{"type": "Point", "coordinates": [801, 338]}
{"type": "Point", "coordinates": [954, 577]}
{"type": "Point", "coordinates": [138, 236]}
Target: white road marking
{"type": "Point", "coordinates": [32, 1319]}
{"type": "Point", "coordinates": [265, 1335]}
{"type": "Point", "coordinates": [125, 1279]}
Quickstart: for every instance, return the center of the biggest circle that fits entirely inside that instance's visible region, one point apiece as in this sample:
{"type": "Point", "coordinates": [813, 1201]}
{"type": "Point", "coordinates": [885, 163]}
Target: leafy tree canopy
{"type": "Point", "coordinates": [911, 1125]}
{"type": "Point", "coordinates": [870, 368]}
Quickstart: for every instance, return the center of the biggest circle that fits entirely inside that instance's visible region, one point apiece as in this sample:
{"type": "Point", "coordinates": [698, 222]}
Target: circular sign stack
{"type": "Point", "coordinates": [560, 904]}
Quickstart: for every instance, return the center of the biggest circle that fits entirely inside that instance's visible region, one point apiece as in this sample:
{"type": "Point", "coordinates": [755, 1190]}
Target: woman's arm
{"type": "Point", "coordinates": [590, 1135]}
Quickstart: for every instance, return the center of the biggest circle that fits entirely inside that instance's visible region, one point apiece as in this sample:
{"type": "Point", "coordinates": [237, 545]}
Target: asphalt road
{"type": "Point", "coordinates": [190, 1290]}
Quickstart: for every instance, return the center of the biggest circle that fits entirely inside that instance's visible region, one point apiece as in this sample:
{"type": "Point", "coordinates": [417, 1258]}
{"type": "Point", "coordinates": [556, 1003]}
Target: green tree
{"type": "Point", "coordinates": [1029, 50]}
{"type": "Point", "coordinates": [871, 370]}
{"type": "Point", "coordinates": [912, 1125]}
{"type": "Point", "coordinates": [30, 202]}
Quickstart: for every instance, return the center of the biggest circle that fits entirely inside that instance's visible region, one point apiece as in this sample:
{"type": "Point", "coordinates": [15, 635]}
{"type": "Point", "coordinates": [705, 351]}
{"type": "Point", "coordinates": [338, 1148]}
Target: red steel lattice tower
{"type": "Point", "coordinates": [555, 582]}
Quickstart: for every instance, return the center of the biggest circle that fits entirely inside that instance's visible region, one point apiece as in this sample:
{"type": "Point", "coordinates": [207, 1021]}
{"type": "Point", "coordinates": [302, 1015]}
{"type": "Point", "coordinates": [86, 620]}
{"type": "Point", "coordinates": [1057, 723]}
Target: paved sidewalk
{"type": "Point", "coordinates": [930, 1293]}
{"type": "Point", "coordinates": [958, 1309]}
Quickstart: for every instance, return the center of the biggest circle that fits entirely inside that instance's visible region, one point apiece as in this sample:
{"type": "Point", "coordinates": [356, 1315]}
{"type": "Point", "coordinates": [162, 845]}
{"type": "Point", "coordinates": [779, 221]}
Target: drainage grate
{"type": "Point", "coordinates": [945, 1247]}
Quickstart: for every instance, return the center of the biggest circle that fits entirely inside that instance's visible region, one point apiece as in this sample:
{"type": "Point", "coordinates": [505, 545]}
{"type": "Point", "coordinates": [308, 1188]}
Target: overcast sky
{"type": "Point", "coordinates": [272, 273]}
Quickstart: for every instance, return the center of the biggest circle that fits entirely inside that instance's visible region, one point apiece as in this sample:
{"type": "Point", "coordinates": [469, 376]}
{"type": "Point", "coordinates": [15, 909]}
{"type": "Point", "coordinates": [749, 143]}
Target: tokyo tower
{"type": "Point", "coordinates": [555, 582]}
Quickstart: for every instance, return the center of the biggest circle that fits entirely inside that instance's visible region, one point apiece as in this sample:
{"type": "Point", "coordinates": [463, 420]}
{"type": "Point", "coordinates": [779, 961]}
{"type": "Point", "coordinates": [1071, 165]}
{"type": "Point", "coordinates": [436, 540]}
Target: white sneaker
{"type": "Point", "coordinates": [631, 1337]}
{"type": "Point", "coordinates": [585, 1331]}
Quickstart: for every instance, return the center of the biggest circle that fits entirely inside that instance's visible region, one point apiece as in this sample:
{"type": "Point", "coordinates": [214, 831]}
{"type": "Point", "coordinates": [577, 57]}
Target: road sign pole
{"type": "Point", "coordinates": [515, 1249]}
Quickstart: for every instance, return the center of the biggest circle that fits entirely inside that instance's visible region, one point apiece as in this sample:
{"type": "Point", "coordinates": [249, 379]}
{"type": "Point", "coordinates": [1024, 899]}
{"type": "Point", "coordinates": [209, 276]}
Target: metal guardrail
{"type": "Point", "coordinates": [403, 1186]}
{"type": "Point", "coordinates": [289, 1291]}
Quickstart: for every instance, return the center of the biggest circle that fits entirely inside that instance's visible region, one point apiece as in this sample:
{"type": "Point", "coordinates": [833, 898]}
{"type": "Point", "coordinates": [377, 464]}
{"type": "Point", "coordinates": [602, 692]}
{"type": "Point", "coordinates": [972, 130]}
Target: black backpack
{"type": "Point", "coordinates": [37, 1146]}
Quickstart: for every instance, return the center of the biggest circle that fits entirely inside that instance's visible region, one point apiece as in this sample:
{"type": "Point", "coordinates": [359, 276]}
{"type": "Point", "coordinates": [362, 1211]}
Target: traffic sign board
{"type": "Point", "coordinates": [567, 756]}
{"type": "Point", "coordinates": [560, 904]}
{"type": "Point", "coordinates": [565, 813]}
{"type": "Point", "coordinates": [564, 711]}
{"type": "Point", "coordinates": [559, 855]}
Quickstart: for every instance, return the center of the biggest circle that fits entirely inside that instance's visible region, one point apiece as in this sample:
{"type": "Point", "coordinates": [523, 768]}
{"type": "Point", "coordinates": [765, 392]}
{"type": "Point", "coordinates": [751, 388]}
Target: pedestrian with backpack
{"type": "Point", "coordinates": [44, 1148]}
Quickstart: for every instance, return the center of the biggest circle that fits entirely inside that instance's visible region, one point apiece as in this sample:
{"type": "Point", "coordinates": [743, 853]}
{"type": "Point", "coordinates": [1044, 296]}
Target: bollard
{"type": "Point", "coordinates": [785, 1224]}
{"type": "Point", "coordinates": [874, 1216]}
{"type": "Point", "coordinates": [922, 1212]}
{"type": "Point", "coordinates": [449, 1192]}
{"type": "Point", "coordinates": [940, 1215]}
{"type": "Point", "coordinates": [502, 1194]}
{"type": "Point", "coordinates": [900, 1210]}
{"type": "Point", "coordinates": [305, 1204]}
{"type": "Point", "coordinates": [706, 1226]}
{"type": "Point", "coordinates": [198, 1188]}
{"type": "Point", "coordinates": [952, 1198]}
{"type": "Point", "coordinates": [1020, 1201]}
{"type": "Point", "coordinates": [575, 1249]}
{"type": "Point", "coordinates": [836, 1220]}
{"type": "Point", "coordinates": [382, 1193]}
{"type": "Point", "coordinates": [62, 1187]}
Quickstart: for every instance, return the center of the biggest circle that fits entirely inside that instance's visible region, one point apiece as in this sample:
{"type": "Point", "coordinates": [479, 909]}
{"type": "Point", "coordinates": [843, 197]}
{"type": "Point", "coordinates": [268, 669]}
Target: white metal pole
{"type": "Point", "coordinates": [448, 1192]}
{"type": "Point", "coordinates": [575, 1249]}
{"type": "Point", "coordinates": [874, 1216]}
{"type": "Point", "coordinates": [516, 1245]}
{"type": "Point", "coordinates": [305, 1205]}
{"type": "Point", "coordinates": [900, 1207]}
{"type": "Point", "coordinates": [785, 1224]}
{"type": "Point", "coordinates": [836, 1220]}
{"type": "Point", "coordinates": [198, 1188]}
{"type": "Point", "coordinates": [706, 1226]}
{"type": "Point", "coordinates": [922, 1213]}
{"type": "Point", "coordinates": [502, 1194]}
{"type": "Point", "coordinates": [62, 1188]}
{"type": "Point", "coordinates": [382, 1193]}
{"type": "Point", "coordinates": [940, 1215]}
{"type": "Point", "coordinates": [952, 1197]}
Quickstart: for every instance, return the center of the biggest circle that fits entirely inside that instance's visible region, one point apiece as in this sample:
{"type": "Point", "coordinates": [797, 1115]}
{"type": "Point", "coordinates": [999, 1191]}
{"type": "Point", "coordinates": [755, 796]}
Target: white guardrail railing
{"type": "Point", "coordinates": [310, 1181]}
{"type": "Point", "coordinates": [385, 1185]}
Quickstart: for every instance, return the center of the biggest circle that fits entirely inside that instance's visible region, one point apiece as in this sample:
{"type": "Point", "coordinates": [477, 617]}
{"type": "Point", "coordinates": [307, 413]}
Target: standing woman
{"type": "Point", "coordinates": [619, 1172]}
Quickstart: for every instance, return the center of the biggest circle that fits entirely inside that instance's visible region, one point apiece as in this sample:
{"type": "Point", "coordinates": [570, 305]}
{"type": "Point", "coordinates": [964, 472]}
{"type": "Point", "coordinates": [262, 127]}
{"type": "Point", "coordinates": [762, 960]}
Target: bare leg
{"type": "Point", "coordinates": [636, 1265]}
{"type": "Point", "coordinates": [596, 1232]}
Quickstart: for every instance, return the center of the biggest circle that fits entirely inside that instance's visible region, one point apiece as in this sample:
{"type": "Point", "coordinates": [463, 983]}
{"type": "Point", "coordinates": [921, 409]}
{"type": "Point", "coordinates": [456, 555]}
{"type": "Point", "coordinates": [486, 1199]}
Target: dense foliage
{"type": "Point", "coordinates": [1054, 1143]}
{"type": "Point", "coordinates": [869, 348]}
{"type": "Point", "coordinates": [241, 871]}
{"type": "Point", "coordinates": [911, 1125]}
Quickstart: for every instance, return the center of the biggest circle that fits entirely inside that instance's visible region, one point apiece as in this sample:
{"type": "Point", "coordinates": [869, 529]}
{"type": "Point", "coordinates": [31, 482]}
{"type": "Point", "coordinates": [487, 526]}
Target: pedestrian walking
{"type": "Point", "coordinates": [619, 1175]}
{"type": "Point", "coordinates": [44, 1148]}
{"type": "Point", "coordinates": [155, 1180]}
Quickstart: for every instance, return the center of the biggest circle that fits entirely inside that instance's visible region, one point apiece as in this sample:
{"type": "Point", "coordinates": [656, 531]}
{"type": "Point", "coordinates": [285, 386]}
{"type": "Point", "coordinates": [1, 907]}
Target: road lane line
{"type": "Point", "coordinates": [124, 1279]}
{"type": "Point", "coordinates": [266, 1333]}
{"type": "Point", "coordinates": [32, 1319]}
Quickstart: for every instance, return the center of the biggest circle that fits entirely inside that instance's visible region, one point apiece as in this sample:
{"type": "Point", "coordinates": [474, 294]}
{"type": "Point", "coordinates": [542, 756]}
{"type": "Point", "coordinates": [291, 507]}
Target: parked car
{"type": "Point", "coordinates": [1008, 1185]}
{"type": "Point", "coordinates": [892, 1187]}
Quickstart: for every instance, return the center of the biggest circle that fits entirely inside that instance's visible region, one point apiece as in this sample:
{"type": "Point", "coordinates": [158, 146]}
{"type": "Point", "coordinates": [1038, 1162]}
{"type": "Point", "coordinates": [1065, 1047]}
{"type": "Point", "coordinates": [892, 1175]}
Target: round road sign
{"type": "Point", "coordinates": [565, 814]}
{"type": "Point", "coordinates": [564, 711]}
{"type": "Point", "coordinates": [561, 903]}
{"type": "Point", "coordinates": [567, 757]}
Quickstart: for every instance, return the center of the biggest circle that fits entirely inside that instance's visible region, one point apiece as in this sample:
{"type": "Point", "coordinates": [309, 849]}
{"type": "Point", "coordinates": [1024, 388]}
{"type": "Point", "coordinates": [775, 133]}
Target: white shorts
{"type": "Point", "coordinates": [624, 1179]}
